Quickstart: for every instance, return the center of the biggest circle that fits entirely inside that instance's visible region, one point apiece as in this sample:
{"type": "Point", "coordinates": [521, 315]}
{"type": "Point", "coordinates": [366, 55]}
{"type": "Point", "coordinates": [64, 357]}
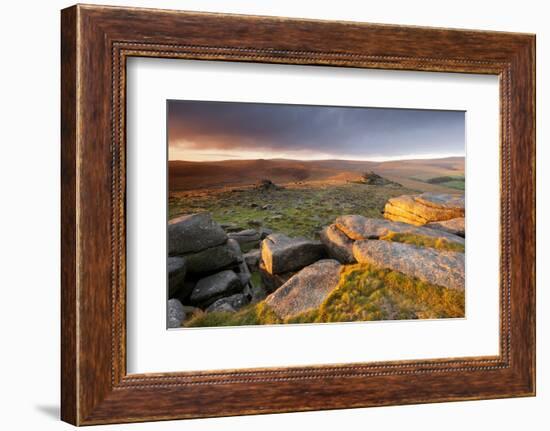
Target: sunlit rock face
{"type": "Point", "coordinates": [424, 208]}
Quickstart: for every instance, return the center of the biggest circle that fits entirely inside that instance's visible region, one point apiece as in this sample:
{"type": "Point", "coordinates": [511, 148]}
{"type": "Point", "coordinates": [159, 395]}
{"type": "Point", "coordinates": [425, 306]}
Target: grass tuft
{"type": "Point", "coordinates": [258, 314]}
{"type": "Point", "coordinates": [368, 293]}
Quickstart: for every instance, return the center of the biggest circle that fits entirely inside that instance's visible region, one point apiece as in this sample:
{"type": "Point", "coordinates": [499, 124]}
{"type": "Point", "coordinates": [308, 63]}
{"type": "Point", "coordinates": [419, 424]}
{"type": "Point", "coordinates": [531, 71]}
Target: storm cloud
{"type": "Point", "coordinates": [229, 129]}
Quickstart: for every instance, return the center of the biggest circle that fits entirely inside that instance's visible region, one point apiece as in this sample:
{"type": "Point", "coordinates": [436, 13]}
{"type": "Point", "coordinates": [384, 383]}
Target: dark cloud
{"type": "Point", "coordinates": [350, 132]}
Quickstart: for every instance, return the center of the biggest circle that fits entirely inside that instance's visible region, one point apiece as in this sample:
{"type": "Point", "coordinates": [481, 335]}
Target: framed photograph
{"type": "Point", "coordinates": [264, 215]}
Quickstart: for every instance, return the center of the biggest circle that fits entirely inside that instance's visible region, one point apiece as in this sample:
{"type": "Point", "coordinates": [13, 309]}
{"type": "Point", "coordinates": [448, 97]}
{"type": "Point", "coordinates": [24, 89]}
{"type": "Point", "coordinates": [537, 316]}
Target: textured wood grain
{"type": "Point", "coordinates": [69, 397]}
{"type": "Point", "coordinates": [96, 41]}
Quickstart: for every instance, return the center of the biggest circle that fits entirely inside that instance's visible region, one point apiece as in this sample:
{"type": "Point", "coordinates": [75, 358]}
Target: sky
{"type": "Point", "coordinates": [209, 131]}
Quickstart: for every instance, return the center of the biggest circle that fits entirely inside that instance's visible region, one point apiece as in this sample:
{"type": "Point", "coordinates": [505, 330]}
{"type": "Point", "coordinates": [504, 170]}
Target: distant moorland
{"type": "Point", "coordinates": [434, 175]}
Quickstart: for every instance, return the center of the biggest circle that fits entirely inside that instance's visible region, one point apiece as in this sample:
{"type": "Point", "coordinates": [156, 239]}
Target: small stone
{"type": "Point", "coordinates": [252, 259]}
{"type": "Point", "coordinates": [244, 273]}
{"type": "Point", "coordinates": [235, 249]}
{"type": "Point", "coordinates": [213, 287]}
{"type": "Point", "coordinates": [235, 302]}
{"type": "Point", "coordinates": [223, 308]}
{"type": "Point", "coordinates": [230, 227]}
{"type": "Point", "coordinates": [176, 313]}
{"type": "Point", "coordinates": [246, 237]}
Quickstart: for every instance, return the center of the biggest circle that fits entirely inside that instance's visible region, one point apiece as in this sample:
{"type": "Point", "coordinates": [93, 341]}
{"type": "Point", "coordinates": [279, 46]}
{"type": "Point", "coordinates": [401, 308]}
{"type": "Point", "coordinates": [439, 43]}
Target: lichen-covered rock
{"type": "Point", "coordinates": [442, 268]}
{"type": "Point", "coordinates": [398, 211]}
{"type": "Point", "coordinates": [306, 290]}
{"type": "Point", "coordinates": [442, 201]}
{"type": "Point", "coordinates": [214, 258]}
{"type": "Point", "coordinates": [194, 232]}
{"type": "Point", "coordinates": [175, 313]}
{"type": "Point", "coordinates": [357, 227]}
{"type": "Point", "coordinates": [455, 226]}
{"type": "Point", "coordinates": [424, 208]}
{"type": "Point", "coordinates": [338, 244]}
{"type": "Point", "coordinates": [216, 286]}
{"type": "Point", "coordinates": [282, 254]}
{"type": "Point", "coordinates": [234, 302]}
{"type": "Point", "coordinates": [176, 274]}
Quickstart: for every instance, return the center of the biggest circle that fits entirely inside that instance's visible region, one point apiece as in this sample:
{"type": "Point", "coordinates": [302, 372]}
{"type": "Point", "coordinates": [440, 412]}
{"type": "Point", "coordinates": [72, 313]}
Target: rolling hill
{"type": "Point", "coordinates": [186, 175]}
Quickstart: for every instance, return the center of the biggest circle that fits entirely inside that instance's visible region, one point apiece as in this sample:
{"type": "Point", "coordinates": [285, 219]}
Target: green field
{"type": "Point", "coordinates": [453, 182]}
{"type": "Point", "coordinates": [295, 210]}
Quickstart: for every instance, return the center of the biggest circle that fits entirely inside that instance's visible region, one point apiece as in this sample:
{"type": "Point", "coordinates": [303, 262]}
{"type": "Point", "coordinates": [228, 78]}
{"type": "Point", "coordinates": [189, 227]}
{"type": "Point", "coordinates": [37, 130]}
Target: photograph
{"type": "Point", "coordinates": [287, 214]}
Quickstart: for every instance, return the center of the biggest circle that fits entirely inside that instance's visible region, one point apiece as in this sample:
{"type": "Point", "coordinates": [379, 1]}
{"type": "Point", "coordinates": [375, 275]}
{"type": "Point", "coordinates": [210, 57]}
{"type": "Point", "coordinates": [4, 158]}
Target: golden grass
{"type": "Point", "coordinates": [423, 241]}
{"type": "Point", "coordinates": [256, 314]}
{"type": "Point", "coordinates": [364, 293]}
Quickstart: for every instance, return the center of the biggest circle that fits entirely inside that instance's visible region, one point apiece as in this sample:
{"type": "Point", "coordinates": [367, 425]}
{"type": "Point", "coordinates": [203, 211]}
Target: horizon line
{"type": "Point", "coordinates": [373, 159]}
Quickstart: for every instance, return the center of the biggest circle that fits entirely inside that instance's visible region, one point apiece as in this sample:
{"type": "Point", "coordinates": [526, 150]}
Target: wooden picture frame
{"type": "Point", "coordinates": [95, 43]}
